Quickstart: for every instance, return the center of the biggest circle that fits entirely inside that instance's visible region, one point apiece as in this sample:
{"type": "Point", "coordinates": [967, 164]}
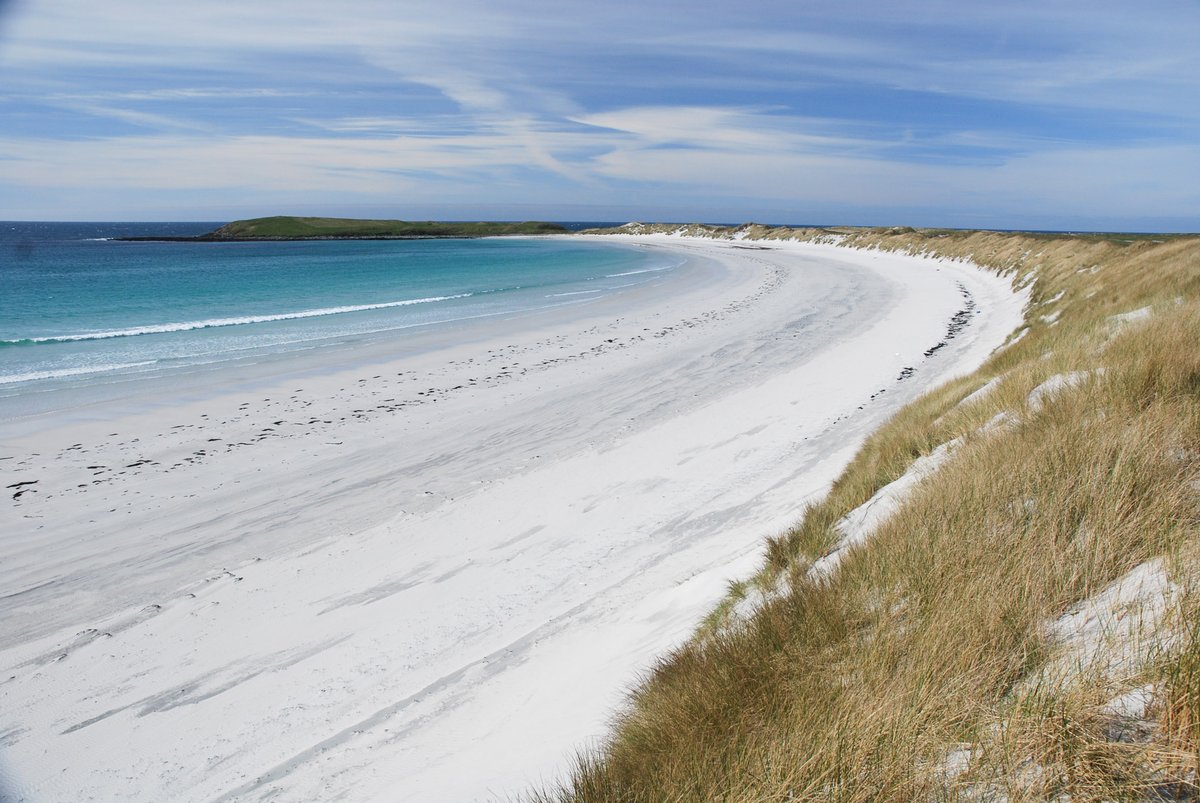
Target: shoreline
{"type": "Point", "coordinates": [440, 597]}
{"type": "Point", "coordinates": [25, 402]}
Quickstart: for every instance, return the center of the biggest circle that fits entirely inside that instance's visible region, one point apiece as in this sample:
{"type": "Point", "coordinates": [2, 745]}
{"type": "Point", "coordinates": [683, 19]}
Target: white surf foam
{"type": "Point", "coordinates": [216, 322]}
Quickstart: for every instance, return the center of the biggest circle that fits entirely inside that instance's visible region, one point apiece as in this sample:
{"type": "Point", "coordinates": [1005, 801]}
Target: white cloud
{"type": "Point", "coordinates": [1082, 182]}
{"type": "Point", "coordinates": [731, 129]}
{"type": "Point", "coordinates": [272, 163]}
{"type": "Point", "coordinates": [583, 100]}
{"type": "Point", "coordinates": [608, 165]}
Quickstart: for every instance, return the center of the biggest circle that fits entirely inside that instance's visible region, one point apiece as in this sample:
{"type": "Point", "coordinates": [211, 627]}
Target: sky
{"type": "Point", "coordinates": [1038, 115]}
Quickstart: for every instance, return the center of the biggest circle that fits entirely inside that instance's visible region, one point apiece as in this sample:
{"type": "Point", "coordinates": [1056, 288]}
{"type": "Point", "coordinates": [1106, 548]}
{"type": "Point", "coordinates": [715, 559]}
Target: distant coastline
{"type": "Point", "coordinates": [285, 228]}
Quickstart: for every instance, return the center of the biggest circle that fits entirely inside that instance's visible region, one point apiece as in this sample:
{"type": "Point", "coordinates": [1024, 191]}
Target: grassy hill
{"type": "Point", "coordinates": [307, 228]}
{"type": "Point", "coordinates": [1026, 626]}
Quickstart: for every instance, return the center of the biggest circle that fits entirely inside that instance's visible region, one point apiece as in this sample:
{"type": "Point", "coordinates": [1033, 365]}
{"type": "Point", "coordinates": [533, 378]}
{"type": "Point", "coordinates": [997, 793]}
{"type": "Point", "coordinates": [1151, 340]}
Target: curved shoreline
{"type": "Point", "coordinates": [558, 526]}
{"type": "Point", "coordinates": [131, 373]}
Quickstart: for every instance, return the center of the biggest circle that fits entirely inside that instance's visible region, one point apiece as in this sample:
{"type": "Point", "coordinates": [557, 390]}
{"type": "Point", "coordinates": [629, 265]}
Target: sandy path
{"type": "Point", "coordinates": [428, 574]}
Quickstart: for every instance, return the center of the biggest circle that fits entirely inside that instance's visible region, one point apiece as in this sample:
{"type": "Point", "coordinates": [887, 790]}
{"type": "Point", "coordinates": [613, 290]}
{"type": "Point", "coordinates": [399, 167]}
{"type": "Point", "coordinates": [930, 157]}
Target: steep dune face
{"type": "Point", "coordinates": [1022, 625]}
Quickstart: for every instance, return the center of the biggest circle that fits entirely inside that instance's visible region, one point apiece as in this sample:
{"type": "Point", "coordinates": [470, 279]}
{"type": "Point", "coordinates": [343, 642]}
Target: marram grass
{"type": "Point", "coordinates": [927, 667]}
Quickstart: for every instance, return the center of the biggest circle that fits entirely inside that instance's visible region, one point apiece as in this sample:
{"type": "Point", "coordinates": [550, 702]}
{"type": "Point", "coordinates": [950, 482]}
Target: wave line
{"type": "Point", "coordinates": [163, 328]}
{"type": "Point", "coordinates": [56, 374]}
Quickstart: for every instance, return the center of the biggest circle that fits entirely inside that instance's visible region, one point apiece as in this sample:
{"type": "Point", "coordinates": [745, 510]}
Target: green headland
{"type": "Point", "coordinates": [284, 227]}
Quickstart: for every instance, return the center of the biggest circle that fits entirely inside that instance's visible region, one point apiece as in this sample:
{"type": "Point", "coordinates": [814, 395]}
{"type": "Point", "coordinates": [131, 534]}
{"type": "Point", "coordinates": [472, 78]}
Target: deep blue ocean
{"type": "Point", "coordinates": [77, 306]}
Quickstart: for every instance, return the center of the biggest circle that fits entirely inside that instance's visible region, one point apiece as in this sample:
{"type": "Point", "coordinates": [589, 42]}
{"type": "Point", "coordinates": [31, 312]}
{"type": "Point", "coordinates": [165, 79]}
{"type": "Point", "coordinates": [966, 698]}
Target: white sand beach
{"type": "Point", "coordinates": [430, 570]}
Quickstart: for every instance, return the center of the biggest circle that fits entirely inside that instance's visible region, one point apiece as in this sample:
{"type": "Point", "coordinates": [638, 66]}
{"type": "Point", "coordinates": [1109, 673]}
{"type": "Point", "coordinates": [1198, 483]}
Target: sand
{"type": "Point", "coordinates": [430, 569]}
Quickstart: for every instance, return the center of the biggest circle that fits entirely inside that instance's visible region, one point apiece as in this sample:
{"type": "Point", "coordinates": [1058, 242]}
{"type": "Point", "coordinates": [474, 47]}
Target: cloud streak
{"type": "Point", "coordinates": [864, 106]}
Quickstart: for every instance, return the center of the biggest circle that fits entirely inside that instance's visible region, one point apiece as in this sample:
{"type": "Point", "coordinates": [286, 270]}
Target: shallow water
{"type": "Point", "coordinates": [77, 307]}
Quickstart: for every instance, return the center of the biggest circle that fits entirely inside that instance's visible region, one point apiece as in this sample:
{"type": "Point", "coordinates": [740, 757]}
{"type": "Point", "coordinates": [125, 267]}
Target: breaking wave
{"type": "Point", "coordinates": [162, 328]}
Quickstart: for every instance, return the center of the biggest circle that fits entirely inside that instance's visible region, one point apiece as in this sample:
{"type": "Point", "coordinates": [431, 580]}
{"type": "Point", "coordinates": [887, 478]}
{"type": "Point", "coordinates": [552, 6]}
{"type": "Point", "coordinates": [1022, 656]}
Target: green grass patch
{"type": "Point", "coordinates": [312, 228]}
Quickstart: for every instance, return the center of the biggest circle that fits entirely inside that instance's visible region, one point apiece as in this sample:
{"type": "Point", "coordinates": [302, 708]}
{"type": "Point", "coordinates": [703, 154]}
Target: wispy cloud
{"type": "Point", "coordinates": [190, 93]}
{"type": "Point", "coordinates": [134, 117]}
{"type": "Point", "coordinates": [867, 105]}
{"type": "Point", "coordinates": [727, 129]}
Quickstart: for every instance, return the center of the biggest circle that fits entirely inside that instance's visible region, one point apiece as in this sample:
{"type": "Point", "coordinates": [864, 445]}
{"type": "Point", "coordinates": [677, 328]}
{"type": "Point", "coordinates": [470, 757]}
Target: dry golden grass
{"type": "Point", "coordinates": [922, 668]}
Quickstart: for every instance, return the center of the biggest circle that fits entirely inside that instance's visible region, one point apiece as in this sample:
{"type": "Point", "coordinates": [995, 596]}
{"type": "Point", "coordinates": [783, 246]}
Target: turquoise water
{"type": "Point", "coordinates": [78, 307]}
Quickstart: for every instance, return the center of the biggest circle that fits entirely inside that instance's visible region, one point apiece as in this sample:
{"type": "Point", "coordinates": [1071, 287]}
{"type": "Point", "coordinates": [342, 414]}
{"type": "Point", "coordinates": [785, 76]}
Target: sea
{"type": "Point", "coordinates": [79, 307]}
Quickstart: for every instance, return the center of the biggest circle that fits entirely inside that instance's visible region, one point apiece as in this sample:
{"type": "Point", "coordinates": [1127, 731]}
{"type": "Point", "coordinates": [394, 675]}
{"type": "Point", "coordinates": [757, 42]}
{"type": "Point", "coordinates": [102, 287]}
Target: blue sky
{"type": "Point", "coordinates": [1007, 115]}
